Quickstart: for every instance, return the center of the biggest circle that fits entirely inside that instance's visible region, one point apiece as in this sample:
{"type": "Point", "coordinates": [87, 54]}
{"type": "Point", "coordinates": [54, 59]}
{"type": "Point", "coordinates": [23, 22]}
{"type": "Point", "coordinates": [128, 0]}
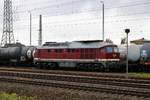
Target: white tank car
{"type": "Point", "coordinates": [133, 51]}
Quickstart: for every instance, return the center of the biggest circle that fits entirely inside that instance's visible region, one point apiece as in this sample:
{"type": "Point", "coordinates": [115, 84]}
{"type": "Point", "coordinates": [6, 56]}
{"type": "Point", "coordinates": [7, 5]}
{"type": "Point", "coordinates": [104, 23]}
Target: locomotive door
{"type": "Point", "coordinates": [102, 53]}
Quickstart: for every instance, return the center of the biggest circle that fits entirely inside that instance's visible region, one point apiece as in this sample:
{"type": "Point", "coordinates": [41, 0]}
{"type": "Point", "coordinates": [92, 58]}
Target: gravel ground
{"type": "Point", "coordinates": [50, 93]}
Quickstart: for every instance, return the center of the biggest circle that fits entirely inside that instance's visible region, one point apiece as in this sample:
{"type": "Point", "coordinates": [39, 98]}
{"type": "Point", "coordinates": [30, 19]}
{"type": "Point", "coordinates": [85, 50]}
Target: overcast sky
{"type": "Point", "coordinates": [69, 20]}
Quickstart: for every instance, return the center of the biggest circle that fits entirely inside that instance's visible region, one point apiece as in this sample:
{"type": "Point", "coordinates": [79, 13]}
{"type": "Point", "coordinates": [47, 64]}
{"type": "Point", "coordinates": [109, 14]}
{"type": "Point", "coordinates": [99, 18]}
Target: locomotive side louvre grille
{"type": "Point", "coordinates": [88, 53]}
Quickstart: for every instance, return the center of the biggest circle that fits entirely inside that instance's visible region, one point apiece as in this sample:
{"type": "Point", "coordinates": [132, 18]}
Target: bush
{"type": "Point", "coordinates": [13, 96]}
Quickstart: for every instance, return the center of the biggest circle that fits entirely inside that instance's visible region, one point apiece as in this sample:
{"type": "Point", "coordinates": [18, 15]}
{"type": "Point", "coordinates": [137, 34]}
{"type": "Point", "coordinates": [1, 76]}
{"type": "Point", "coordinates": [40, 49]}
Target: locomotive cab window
{"type": "Point", "coordinates": [109, 49]}
{"type": "Point", "coordinates": [116, 49]}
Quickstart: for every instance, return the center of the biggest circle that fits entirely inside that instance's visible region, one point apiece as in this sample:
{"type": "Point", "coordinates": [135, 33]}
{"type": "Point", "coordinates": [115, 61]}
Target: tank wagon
{"type": "Point", "coordinates": [16, 54]}
{"type": "Point", "coordinates": [133, 52]}
{"type": "Point", "coordinates": [134, 56]}
{"type": "Point", "coordinates": [139, 57]}
{"type": "Point", "coordinates": [78, 54]}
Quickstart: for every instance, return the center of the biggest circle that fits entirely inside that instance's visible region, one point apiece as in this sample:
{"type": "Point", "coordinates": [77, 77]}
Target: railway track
{"type": "Point", "coordinates": [113, 84]}
{"type": "Point", "coordinates": [81, 79]}
{"type": "Point", "coordinates": [81, 86]}
{"type": "Point", "coordinates": [90, 74]}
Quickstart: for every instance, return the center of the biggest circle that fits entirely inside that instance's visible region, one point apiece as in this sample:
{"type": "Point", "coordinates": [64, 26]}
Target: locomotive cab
{"type": "Point", "coordinates": [109, 56]}
{"type": "Point", "coordinates": [112, 52]}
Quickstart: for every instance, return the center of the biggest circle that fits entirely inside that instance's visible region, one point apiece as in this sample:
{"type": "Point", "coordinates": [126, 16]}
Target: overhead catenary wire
{"type": "Point", "coordinates": [91, 10]}
{"type": "Point", "coordinates": [69, 3]}
{"type": "Point", "coordinates": [112, 19]}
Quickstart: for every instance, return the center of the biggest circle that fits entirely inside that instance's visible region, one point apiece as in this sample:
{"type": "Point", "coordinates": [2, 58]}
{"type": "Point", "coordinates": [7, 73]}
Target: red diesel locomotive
{"type": "Point", "coordinates": [79, 54]}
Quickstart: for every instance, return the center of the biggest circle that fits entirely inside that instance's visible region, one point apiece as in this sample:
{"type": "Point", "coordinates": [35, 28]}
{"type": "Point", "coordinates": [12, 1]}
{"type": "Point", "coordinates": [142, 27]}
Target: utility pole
{"type": "Point", "coordinates": [127, 31]}
{"type": "Point", "coordinates": [30, 28]}
{"type": "Point", "coordinates": [8, 36]}
{"type": "Point", "coordinates": [103, 19]}
{"type": "Point", "coordinates": [40, 31]}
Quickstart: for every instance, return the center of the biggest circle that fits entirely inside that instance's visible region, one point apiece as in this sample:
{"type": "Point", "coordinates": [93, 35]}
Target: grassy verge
{"type": "Point", "coordinates": [140, 75]}
{"type": "Point", "coordinates": [13, 96]}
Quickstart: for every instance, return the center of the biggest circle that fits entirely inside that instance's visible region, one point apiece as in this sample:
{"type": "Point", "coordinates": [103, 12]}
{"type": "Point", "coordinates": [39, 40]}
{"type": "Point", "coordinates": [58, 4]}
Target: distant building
{"type": "Point", "coordinates": [140, 41]}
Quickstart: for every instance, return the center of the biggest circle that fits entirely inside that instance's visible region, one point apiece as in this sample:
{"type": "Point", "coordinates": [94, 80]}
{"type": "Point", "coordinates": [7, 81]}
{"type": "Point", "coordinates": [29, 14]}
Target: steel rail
{"type": "Point", "coordinates": [81, 86]}
{"type": "Point", "coordinates": [77, 73]}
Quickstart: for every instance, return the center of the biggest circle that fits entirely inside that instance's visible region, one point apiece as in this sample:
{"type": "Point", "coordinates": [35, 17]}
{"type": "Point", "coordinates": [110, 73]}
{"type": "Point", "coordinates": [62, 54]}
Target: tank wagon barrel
{"type": "Point", "coordinates": [16, 54]}
{"type": "Point", "coordinates": [134, 52]}
{"type": "Point", "coordinates": [10, 53]}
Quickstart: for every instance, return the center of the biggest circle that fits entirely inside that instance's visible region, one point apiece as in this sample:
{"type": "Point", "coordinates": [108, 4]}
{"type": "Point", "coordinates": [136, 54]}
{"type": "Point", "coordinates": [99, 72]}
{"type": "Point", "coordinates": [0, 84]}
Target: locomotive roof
{"type": "Point", "coordinates": [75, 44]}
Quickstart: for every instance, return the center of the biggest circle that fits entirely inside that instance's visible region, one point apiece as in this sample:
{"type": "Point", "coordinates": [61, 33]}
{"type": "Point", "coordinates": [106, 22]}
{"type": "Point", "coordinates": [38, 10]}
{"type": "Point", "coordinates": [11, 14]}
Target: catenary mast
{"type": "Point", "coordinates": [7, 36]}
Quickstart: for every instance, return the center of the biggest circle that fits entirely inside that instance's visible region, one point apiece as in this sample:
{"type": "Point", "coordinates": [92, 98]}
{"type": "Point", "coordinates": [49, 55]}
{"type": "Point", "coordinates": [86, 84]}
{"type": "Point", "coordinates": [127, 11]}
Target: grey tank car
{"type": "Point", "coordinates": [134, 52]}
{"type": "Point", "coordinates": [139, 56]}
{"type": "Point", "coordinates": [16, 54]}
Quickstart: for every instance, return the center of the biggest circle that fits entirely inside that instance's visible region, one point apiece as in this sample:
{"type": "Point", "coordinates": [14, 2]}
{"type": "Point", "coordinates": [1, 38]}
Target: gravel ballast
{"type": "Point", "coordinates": [50, 93]}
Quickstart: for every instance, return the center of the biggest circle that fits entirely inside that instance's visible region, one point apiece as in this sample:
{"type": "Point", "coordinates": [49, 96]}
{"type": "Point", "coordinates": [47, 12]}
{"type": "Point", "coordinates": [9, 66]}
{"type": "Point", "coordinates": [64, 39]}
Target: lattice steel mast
{"type": "Point", "coordinates": [8, 36]}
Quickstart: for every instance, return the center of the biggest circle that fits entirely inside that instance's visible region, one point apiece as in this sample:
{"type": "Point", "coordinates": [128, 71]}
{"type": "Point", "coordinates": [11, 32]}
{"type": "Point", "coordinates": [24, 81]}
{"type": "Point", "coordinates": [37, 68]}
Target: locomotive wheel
{"type": "Point", "coordinates": [40, 66]}
{"type": "Point", "coordinates": [97, 67]}
{"type": "Point", "coordinates": [100, 67]}
{"type": "Point", "coordinates": [78, 66]}
{"type": "Point", "coordinates": [54, 66]}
